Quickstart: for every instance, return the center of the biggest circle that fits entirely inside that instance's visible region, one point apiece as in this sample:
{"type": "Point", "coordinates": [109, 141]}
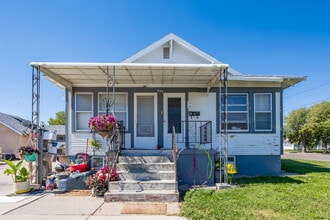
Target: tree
{"type": "Point", "coordinates": [294, 123]}
{"type": "Point", "coordinates": [318, 121]}
{"type": "Point", "coordinates": [59, 119]}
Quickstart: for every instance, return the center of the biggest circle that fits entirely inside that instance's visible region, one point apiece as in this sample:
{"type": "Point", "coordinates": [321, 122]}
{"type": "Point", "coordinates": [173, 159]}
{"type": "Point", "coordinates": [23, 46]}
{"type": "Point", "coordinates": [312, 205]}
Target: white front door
{"type": "Point", "coordinates": [145, 120]}
{"type": "Point", "coordinates": [174, 114]}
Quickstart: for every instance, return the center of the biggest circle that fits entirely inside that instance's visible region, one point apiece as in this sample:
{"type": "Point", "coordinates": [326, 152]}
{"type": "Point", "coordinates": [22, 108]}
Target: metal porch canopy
{"type": "Point", "coordinates": [68, 75]}
{"type": "Point", "coordinates": [157, 75]}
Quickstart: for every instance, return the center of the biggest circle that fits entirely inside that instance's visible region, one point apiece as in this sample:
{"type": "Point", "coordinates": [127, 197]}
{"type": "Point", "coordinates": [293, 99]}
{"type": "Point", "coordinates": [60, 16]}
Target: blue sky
{"type": "Point", "coordinates": [255, 37]}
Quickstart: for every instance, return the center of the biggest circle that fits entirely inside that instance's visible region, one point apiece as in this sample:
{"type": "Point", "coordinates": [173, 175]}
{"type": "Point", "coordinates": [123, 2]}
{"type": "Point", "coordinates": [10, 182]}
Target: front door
{"type": "Point", "coordinates": [145, 120]}
{"type": "Point", "coordinates": [174, 114]}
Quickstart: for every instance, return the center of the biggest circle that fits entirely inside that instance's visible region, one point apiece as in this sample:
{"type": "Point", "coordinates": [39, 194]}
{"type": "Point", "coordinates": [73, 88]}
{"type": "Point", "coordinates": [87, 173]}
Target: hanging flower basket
{"type": "Point", "coordinates": [30, 157]}
{"type": "Point", "coordinates": [28, 153]}
{"type": "Point", "coordinates": [103, 124]}
{"type": "Point", "coordinates": [104, 133]}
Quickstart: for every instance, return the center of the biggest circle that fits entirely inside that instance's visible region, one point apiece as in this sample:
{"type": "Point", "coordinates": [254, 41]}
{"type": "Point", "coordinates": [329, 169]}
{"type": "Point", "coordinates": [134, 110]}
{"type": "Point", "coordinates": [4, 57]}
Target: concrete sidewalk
{"type": "Point", "coordinates": [53, 206]}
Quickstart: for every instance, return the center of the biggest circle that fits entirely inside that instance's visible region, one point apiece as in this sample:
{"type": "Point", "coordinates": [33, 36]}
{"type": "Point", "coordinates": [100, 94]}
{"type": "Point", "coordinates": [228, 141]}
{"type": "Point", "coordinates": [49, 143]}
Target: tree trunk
{"type": "Point", "coordinates": [324, 145]}
{"type": "Point", "coordinates": [303, 149]}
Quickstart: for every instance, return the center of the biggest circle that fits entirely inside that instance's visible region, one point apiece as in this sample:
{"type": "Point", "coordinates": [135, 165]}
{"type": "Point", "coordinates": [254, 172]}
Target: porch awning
{"type": "Point", "coordinates": [68, 75]}
{"type": "Point", "coordinates": [159, 75]}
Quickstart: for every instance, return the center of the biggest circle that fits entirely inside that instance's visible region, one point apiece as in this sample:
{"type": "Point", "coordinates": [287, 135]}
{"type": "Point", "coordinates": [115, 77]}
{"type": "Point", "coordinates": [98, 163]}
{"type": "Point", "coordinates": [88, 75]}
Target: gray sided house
{"type": "Point", "coordinates": [171, 82]}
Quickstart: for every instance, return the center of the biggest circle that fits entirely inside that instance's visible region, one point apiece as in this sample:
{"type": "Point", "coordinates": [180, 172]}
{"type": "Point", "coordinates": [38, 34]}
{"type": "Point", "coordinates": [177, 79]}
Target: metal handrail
{"type": "Point", "coordinates": [194, 132]}
{"type": "Point", "coordinates": [175, 154]}
{"type": "Point", "coordinates": [114, 144]}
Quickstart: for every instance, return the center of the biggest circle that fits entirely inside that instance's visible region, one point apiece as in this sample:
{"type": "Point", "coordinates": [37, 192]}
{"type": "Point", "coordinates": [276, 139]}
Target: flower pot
{"type": "Point", "coordinates": [104, 133]}
{"type": "Point", "coordinates": [22, 187]}
{"type": "Point", "coordinates": [98, 192]}
{"type": "Point", "coordinates": [30, 157]}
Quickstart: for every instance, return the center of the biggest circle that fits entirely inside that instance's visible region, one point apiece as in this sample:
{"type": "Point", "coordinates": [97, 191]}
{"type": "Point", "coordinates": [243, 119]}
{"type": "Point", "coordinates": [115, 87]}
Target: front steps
{"type": "Point", "coordinates": [145, 175]}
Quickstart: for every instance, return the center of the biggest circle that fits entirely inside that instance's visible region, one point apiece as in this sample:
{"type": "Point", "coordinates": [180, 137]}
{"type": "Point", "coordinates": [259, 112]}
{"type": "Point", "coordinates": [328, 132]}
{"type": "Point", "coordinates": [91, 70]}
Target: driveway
{"type": "Point", "coordinates": [307, 156]}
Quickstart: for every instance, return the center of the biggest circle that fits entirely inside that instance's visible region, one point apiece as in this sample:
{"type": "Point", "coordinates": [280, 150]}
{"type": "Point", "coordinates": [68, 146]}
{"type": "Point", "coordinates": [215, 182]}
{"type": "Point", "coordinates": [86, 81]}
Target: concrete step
{"type": "Point", "coordinates": [145, 167]}
{"type": "Point", "coordinates": [136, 152]}
{"type": "Point", "coordinates": [146, 175]}
{"type": "Point", "coordinates": [145, 196]}
{"type": "Point", "coordinates": [143, 159]}
{"type": "Point", "coordinates": [139, 186]}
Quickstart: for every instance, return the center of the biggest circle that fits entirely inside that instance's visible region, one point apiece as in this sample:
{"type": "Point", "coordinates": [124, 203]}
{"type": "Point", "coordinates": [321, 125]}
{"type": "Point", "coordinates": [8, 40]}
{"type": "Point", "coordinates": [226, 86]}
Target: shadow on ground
{"type": "Point", "coordinates": [304, 166]}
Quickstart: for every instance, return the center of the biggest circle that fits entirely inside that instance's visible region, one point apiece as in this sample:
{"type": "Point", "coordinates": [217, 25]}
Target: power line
{"type": "Point", "coordinates": [311, 103]}
{"type": "Point", "coordinates": [307, 90]}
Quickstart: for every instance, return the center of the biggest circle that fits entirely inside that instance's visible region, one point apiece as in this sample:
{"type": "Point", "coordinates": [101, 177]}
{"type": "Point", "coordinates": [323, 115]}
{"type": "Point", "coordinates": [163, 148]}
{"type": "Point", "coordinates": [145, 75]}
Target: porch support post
{"type": "Point", "coordinates": [36, 130]}
{"type": "Point", "coordinates": [223, 133]}
{"type": "Point", "coordinates": [108, 104]}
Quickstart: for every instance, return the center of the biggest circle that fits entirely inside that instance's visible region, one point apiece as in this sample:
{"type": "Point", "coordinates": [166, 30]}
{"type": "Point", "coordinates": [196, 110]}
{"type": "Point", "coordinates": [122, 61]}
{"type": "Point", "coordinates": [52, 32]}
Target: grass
{"type": "Point", "coordinates": [302, 196]}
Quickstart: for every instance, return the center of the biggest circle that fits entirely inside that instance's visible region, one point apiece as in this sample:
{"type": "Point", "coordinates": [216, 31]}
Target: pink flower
{"type": "Point", "coordinates": [102, 122]}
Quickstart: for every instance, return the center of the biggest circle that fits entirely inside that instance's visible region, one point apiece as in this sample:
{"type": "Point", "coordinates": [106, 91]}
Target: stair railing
{"type": "Point", "coordinates": [175, 154]}
{"type": "Point", "coordinates": [114, 144]}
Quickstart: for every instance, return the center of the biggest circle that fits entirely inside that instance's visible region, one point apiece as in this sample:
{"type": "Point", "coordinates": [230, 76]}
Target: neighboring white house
{"type": "Point", "coordinates": [173, 82]}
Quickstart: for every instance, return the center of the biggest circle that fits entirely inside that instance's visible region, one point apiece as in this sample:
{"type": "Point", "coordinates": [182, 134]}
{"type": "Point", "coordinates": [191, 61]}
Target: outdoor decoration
{"type": "Point", "coordinates": [98, 182]}
{"type": "Point", "coordinates": [20, 176]}
{"type": "Point", "coordinates": [80, 164]}
{"type": "Point", "coordinates": [103, 124]}
{"type": "Point", "coordinates": [95, 145]}
{"type": "Point", "coordinates": [231, 170]}
{"type": "Point", "coordinates": [28, 153]}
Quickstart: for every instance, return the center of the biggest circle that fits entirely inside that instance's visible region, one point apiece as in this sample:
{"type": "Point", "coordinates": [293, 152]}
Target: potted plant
{"type": "Point", "coordinates": [95, 145]}
{"type": "Point", "coordinates": [28, 153]}
{"type": "Point", "coordinates": [103, 124]}
{"type": "Point", "coordinates": [20, 176]}
{"type": "Point", "coordinates": [98, 182]}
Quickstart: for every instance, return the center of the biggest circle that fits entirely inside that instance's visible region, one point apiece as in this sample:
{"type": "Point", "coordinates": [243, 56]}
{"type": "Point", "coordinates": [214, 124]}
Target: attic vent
{"type": "Point", "coordinates": [166, 53]}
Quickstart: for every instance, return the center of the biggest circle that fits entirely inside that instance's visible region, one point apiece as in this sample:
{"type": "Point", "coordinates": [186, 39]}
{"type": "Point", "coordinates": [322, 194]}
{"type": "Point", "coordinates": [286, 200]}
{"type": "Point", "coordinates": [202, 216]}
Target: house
{"type": "Point", "coordinates": [171, 82]}
{"type": "Point", "coordinates": [55, 135]}
{"type": "Point", "coordinates": [13, 134]}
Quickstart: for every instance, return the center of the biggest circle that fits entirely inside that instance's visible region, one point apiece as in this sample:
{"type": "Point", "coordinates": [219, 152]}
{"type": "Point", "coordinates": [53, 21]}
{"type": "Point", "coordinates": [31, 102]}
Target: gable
{"type": "Point", "coordinates": [179, 52]}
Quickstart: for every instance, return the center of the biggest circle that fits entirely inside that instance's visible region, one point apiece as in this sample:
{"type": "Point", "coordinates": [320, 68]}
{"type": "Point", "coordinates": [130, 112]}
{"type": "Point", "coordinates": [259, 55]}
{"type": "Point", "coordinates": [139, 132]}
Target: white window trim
{"type": "Point", "coordinates": [110, 94]}
{"type": "Point", "coordinates": [75, 108]}
{"type": "Point", "coordinates": [270, 111]}
{"type": "Point", "coordinates": [247, 113]}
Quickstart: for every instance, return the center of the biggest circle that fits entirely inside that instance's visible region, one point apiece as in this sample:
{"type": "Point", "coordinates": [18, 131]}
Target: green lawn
{"type": "Point", "coordinates": [302, 196]}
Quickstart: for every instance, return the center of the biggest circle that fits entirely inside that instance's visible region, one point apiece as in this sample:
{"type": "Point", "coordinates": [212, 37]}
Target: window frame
{"type": "Point", "coordinates": [270, 111]}
{"type": "Point", "coordinates": [77, 111]}
{"type": "Point", "coordinates": [247, 112]}
{"type": "Point", "coordinates": [166, 53]}
{"type": "Point", "coordinates": [99, 112]}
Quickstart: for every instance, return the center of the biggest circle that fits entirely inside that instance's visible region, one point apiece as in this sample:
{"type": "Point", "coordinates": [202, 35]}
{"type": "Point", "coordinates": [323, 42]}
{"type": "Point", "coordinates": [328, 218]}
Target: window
{"type": "Point", "coordinates": [60, 138]}
{"type": "Point", "coordinates": [262, 111]}
{"type": "Point", "coordinates": [166, 53]}
{"type": "Point", "coordinates": [237, 112]}
{"type": "Point", "coordinates": [119, 107]}
{"type": "Point", "coordinates": [84, 110]}
{"type": "Point", "coordinates": [174, 115]}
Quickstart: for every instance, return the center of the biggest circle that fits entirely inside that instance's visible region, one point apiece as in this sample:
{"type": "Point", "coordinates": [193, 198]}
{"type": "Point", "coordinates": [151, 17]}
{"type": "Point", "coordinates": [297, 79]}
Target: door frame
{"type": "Point", "coordinates": [166, 135]}
{"type": "Point", "coordinates": [146, 142]}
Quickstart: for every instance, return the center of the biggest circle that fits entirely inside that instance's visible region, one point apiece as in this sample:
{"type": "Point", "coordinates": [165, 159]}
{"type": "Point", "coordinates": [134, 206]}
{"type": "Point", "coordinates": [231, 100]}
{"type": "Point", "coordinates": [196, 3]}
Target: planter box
{"type": "Point", "coordinates": [22, 187]}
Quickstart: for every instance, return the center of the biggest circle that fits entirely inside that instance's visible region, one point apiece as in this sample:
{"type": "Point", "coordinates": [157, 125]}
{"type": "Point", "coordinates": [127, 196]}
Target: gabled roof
{"type": "Point", "coordinates": [198, 70]}
{"type": "Point", "coordinates": [14, 123]}
{"type": "Point", "coordinates": [169, 40]}
{"type": "Point", "coordinates": [59, 129]}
